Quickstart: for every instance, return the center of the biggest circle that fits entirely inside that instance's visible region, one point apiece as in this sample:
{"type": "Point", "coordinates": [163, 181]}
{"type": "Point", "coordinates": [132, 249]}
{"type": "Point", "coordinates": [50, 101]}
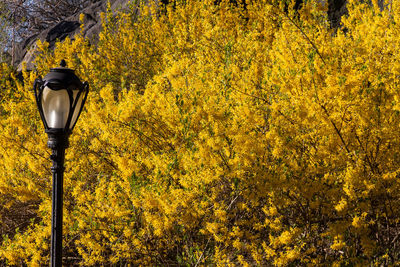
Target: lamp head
{"type": "Point", "coordinates": [60, 97]}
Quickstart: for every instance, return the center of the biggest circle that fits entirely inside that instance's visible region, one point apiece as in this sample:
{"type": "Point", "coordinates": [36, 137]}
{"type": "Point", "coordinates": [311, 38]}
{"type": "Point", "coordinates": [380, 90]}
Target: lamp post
{"type": "Point", "coordinates": [60, 97]}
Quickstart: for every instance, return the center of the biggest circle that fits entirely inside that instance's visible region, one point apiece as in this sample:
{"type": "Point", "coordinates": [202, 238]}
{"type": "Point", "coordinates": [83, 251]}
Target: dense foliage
{"type": "Point", "coordinates": [216, 135]}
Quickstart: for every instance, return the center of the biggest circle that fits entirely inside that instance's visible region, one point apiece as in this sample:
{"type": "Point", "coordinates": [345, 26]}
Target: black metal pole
{"type": "Point", "coordinates": [58, 142]}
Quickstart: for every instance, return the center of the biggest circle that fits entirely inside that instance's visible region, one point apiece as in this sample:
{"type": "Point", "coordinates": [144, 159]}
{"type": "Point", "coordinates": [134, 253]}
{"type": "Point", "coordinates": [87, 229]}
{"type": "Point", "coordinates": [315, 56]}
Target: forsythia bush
{"type": "Point", "coordinates": [216, 135]}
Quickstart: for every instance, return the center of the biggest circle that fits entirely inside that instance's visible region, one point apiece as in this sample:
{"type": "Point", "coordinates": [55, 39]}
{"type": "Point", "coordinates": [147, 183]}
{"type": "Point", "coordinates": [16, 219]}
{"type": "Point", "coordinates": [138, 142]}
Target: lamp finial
{"type": "Point", "coordinates": [63, 64]}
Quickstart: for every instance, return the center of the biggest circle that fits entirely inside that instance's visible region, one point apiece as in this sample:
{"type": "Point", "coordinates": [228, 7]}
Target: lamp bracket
{"type": "Point", "coordinates": [57, 138]}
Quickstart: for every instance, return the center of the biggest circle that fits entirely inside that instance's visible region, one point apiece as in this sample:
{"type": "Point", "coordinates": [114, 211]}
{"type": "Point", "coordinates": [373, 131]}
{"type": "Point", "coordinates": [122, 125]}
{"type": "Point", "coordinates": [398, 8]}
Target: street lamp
{"type": "Point", "coordinates": [60, 97]}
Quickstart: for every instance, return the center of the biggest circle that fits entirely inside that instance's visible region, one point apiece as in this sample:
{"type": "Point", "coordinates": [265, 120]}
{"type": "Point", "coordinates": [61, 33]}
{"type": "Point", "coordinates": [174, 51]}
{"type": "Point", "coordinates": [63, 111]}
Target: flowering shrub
{"type": "Point", "coordinates": [217, 135]}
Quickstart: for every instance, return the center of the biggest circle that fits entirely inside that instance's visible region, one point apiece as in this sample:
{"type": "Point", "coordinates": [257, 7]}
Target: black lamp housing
{"type": "Point", "coordinates": [60, 97]}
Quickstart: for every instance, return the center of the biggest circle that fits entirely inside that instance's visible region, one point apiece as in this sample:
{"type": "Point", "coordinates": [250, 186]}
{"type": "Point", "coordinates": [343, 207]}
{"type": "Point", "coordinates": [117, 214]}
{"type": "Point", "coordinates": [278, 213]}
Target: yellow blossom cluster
{"type": "Point", "coordinates": [216, 134]}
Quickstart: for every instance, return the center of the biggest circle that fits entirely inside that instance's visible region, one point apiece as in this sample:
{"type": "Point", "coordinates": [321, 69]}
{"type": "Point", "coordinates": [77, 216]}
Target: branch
{"type": "Point", "coordinates": [304, 34]}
